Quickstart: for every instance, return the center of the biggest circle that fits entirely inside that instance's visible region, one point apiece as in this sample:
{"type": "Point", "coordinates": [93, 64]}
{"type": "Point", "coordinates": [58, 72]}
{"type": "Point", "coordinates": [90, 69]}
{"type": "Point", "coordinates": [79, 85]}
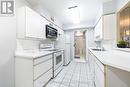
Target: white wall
{"type": "Point", "coordinates": [7, 48]}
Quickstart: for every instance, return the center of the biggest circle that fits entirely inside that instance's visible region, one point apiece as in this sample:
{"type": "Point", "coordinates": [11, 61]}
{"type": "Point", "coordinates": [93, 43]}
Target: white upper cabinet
{"type": "Point", "coordinates": [106, 28]}
{"type": "Point", "coordinates": [34, 24]}
{"type": "Point", "coordinates": [30, 24]}
{"type": "Point", "coordinates": [60, 32]}
{"type": "Point", "coordinates": [98, 30]}
{"type": "Point", "coordinates": [109, 26]}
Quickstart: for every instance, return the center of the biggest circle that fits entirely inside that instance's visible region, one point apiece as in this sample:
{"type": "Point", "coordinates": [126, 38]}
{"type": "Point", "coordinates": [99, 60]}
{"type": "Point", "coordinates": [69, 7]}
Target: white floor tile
{"type": "Point", "coordinates": [83, 85]}
{"type": "Point", "coordinates": [76, 74]}
{"type": "Point", "coordinates": [63, 86]}
{"type": "Point", "coordinates": [74, 84]}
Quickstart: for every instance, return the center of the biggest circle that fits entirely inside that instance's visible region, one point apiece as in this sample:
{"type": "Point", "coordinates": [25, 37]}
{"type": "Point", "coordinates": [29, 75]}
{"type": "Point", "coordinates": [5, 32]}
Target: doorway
{"type": "Point", "coordinates": [80, 45]}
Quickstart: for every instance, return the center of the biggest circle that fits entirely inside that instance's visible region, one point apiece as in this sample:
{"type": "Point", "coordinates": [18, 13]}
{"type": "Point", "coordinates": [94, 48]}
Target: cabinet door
{"type": "Point", "coordinates": [109, 26]}
{"type": "Point", "coordinates": [61, 39]}
{"type": "Point", "coordinates": [99, 76]}
{"type": "Point", "coordinates": [43, 28]}
{"type": "Point", "coordinates": [91, 65]}
{"type": "Point", "coordinates": [58, 30]}
{"type": "Point", "coordinates": [43, 80]}
{"type": "Point", "coordinates": [95, 33]}
{"type": "Point", "coordinates": [42, 68]}
{"type": "Point", "coordinates": [99, 30]}
{"type": "Point", "coordinates": [34, 24]}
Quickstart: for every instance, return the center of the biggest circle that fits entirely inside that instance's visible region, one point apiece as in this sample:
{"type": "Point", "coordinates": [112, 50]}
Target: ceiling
{"type": "Point", "coordinates": [58, 8]}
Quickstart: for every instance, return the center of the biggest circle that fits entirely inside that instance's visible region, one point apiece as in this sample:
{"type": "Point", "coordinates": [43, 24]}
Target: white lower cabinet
{"type": "Point", "coordinates": [91, 62]}
{"type": "Point", "coordinates": [99, 76]}
{"type": "Point", "coordinates": [31, 72]}
{"type": "Point", "coordinates": [43, 79]}
{"type": "Point", "coordinates": [97, 71]}
{"type": "Point", "coordinates": [42, 68]}
{"type": "Point", "coordinates": [107, 76]}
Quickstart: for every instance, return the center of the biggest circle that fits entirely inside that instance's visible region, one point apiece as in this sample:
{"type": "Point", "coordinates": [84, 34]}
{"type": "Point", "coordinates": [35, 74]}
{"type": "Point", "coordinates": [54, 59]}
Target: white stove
{"type": "Point", "coordinates": [57, 63]}
{"type": "Point", "coordinates": [57, 58]}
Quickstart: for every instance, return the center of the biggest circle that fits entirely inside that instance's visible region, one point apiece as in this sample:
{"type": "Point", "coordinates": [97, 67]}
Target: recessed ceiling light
{"type": "Point", "coordinates": [74, 14]}
{"type": "Point", "coordinates": [72, 7]}
{"type": "Point", "coordinates": [79, 33]}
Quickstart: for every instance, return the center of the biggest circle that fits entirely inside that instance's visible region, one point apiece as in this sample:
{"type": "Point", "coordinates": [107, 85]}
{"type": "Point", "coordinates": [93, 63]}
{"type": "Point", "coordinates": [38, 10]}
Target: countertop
{"type": "Point", "coordinates": [31, 54]}
{"type": "Point", "coordinates": [114, 58]}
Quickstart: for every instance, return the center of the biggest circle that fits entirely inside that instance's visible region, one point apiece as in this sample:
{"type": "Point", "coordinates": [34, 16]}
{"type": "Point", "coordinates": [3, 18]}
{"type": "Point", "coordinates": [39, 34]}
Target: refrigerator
{"type": "Point", "coordinates": [67, 57]}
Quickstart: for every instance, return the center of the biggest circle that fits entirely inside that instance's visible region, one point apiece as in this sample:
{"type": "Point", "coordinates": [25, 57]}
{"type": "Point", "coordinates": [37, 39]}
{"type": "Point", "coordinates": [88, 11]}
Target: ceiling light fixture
{"type": "Point", "coordinates": [79, 33]}
{"type": "Point", "coordinates": [72, 7]}
{"type": "Point", "coordinates": [74, 14]}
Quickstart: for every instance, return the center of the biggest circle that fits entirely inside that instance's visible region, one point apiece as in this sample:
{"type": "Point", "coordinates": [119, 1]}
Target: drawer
{"type": "Point", "coordinates": [42, 68]}
{"type": "Point", "coordinates": [57, 71]}
{"type": "Point", "coordinates": [101, 66]}
{"type": "Point", "coordinates": [42, 81]}
{"type": "Point", "coordinates": [42, 59]}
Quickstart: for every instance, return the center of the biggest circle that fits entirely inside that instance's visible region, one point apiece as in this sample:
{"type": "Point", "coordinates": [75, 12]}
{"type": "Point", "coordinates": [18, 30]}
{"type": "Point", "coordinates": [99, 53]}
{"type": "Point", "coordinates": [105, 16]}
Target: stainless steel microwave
{"type": "Point", "coordinates": [51, 32]}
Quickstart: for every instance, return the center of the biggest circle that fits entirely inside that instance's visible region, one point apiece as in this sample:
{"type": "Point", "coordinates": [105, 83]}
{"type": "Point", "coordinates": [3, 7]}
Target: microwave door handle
{"type": "Point", "coordinates": [50, 36]}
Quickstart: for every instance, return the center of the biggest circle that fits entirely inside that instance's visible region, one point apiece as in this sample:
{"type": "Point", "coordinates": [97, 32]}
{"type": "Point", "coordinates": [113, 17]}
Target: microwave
{"type": "Point", "coordinates": [51, 32]}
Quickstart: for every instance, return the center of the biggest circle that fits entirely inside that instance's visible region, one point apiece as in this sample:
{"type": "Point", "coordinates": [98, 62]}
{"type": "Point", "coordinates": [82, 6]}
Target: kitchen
{"type": "Point", "coordinates": [38, 43]}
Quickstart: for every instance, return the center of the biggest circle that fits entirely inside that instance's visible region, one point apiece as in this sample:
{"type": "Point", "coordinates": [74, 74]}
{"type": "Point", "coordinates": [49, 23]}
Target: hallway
{"type": "Point", "coordinates": [77, 74]}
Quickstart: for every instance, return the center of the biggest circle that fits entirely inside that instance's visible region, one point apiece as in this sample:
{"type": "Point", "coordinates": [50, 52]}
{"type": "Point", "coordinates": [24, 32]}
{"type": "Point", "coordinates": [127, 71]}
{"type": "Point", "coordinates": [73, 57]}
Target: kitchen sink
{"type": "Point", "coordinates": [96, 49]}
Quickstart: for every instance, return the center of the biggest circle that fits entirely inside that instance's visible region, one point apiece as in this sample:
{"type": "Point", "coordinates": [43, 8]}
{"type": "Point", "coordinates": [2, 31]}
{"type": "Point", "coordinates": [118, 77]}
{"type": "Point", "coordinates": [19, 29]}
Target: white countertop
{"type": "Point", "coordinates": [31, 54]}
{"type": "Point", "coordinates": [123, 49]}
{"type": "Point", "coordinates": [114, 58]}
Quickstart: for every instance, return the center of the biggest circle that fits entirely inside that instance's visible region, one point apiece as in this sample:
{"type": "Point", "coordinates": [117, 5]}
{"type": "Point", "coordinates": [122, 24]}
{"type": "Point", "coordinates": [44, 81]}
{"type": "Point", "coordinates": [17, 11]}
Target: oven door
{"type": "Point", "coordinates": [58, 60]}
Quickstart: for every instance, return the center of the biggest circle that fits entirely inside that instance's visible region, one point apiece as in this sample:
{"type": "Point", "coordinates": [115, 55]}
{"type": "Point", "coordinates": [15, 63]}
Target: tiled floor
{"type": "Point", "coordinates": [77, 74]}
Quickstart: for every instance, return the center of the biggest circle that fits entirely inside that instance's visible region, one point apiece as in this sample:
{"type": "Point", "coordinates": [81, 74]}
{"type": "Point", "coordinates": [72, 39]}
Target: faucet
{"type": "Point", "coordinates": [97, 46]}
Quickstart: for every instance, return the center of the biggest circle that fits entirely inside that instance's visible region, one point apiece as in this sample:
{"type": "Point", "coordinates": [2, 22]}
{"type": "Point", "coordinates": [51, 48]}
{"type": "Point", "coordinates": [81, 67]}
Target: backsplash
{"type": "Point", "coordinates": [23, 44]}
{"type": "Point", "coordinates": [108, 44]}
